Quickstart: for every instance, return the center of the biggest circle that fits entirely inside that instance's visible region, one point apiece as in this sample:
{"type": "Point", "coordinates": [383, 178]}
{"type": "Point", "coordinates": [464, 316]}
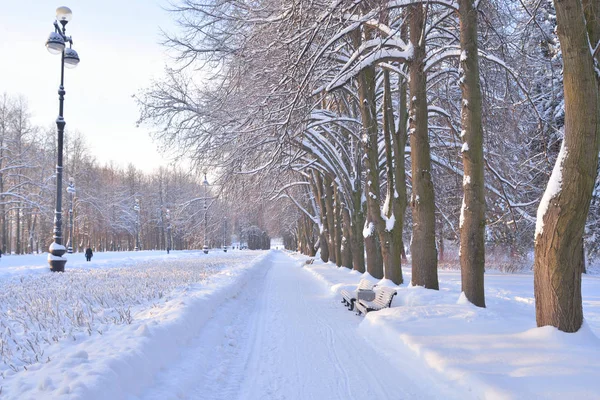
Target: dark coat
{"type": "Point", "coordinates": [88, 252]}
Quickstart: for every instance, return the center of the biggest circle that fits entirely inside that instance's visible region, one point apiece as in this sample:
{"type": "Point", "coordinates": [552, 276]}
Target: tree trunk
{"type": "Point", "coordinates": [18, 249]}
{"type": "Point", "coordinates": [358, 222]}
{"type": "Point", "coordinates": [338, 226]}
{"type": "Point", "coordinates": [375, 226]}
{"type": "Point", "coordinates": [330, 217]}
{"type": "Point", "coordinates": [472, 216]}
{"type": "Point", "coordinates": [423, 249]}
{"type": "Point", "coordinates": [317, 186]}
{"type": "Point", "coordinates": [564, 207]}
{"type": "Point", "coordinates": [374, 259]}
{"type": "Point", "coordinates": [347, 239]}
{"type": "Point", "coordinates": [392, 209]}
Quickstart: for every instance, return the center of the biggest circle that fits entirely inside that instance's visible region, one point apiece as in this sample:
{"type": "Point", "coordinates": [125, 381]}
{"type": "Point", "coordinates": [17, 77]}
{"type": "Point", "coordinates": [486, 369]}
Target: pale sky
{"type": "Point", "coordinates": [118, 44]}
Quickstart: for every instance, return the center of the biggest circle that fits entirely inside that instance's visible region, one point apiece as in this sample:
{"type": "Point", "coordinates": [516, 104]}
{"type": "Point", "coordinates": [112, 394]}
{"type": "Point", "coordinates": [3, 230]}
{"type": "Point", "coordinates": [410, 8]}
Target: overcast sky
{"type": "Point", "coordinates": [118, 44]}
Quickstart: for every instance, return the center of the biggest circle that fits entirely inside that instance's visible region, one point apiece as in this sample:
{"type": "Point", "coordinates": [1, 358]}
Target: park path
{"type": "Point", "coordinates": [284, 337]}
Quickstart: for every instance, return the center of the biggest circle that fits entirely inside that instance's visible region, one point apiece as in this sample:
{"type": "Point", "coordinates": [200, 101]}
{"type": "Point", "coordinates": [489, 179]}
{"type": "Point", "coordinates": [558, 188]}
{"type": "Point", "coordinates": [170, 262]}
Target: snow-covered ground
{"type": "Point", "coordinates": [491, 353]}
{"type": "Point", "coordinates": [263, 325]}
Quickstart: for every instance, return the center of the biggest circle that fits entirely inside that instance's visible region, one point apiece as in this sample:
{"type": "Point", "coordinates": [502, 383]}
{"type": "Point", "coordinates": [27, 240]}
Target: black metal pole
{"type": "Point", "coordinates": [55, 258]}
{"type": "Point", "coordinates": [205, 247]}
{"type": "Point", "coordinates": [137, 231]}
{"type": "Point", "coordinates": [71, 191]}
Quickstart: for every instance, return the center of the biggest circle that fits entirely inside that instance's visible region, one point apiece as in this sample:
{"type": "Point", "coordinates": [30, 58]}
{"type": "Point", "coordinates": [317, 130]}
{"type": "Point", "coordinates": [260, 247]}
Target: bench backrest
{"type": "Point", "coordinates": [384, 296]}
{"type": "Point", "coordinates": [365, 284]}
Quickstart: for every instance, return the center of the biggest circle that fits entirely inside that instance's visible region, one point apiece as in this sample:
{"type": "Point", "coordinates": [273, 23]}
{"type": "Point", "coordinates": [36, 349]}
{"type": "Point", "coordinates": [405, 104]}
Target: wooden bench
{"type": "Point", "coordinates": [382, 300]}
{"type": "Point", "coordinates": [364, 291]}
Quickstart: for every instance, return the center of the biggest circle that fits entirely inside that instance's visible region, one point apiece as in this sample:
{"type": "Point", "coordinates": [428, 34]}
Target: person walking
{"type": "Point", "coordinates": [88, 254]}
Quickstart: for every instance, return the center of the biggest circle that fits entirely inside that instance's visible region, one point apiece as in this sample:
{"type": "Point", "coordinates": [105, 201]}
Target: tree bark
{"type": "Point", "coordinates": [347, 238]}
{"type": "Point", "coordinates": [564, 207]}
{"type": "Point", "coordinates": [472, 217]}
{"type": "Point", "coordinates": [330, 213]}
{"type": "Point", "coordinates": [392, 208]}
{"type": "Point", "coordinates": [423, 249]}
{"type": "Point", "coordinates": [338, 226]}
{"type": "Point", "coordinates": [317, 186]}
{"type": "Point", "coordinates": [358, 222]}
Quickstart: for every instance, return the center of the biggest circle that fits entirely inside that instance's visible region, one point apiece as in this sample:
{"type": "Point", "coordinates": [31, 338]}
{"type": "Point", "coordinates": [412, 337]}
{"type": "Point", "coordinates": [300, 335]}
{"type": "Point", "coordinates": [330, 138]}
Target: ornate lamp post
{"type": "Point", "coordinates": [71, 191]}
{"type": "Point", "coordinates": [136, 207]}
{"type": "Point", "coordinates": [205, 186]}
{"type": "Point", "coordinates": [169, 229]}
{"type": "Point", "coordinates": [224, 230]}
{"type": "Point", "coordinates": [69, 58]}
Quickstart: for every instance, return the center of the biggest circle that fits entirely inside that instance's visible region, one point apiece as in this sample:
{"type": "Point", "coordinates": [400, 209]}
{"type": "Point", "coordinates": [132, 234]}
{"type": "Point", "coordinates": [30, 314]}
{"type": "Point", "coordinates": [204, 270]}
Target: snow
{"type": "Point", "coordinates": [466, 180]}
{"type": "Point", "coordinates": [389, 222]}
{"type": "Point", "coordinates": [56, 246]}
{"type": "Point", "coordinates": [465, 147]}
{"type": "Point", "coordinates": [463, 207]}
{"type": "Point", "coordinates": [489, 353]}
{"type": "Point", "coordinates": [463, 56]}
{"type": "Point", "coordinates": [368, 229]}
{"type": "Point", "coordinates": [552, 190]}
{"type": "Point", "coordinates": [265, 325]}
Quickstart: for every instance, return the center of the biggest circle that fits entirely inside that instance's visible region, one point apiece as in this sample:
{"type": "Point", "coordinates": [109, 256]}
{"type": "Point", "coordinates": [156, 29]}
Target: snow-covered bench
{"type": "Point", "coordinates": [363, 291]}
{"type": "Point", "coordinates": [383, 299]}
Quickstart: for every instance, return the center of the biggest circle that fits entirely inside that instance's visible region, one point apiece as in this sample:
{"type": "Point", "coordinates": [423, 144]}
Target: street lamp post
{"type": "Point", "coordinates": [71, 191]}
{"type": "Point", "coordinates": [205, 186]}
{"type": "Point", "coordinates": [169, 229]}
{"type": "Point", "coordinates": [136, 207]}
{"type": "Point", "coordinates": [224, 230]}
{"type": "Point", "coordinates": [69, 58]}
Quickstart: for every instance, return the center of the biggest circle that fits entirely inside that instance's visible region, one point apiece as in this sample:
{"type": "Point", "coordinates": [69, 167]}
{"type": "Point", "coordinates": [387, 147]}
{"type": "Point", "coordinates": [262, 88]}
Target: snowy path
{"type": "Point", "coordinates": [284, 337]}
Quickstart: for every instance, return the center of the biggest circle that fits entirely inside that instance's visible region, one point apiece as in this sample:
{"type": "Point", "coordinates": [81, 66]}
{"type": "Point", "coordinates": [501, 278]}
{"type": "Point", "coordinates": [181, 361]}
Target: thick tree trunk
{"type": "Point", "coordinates": [423, 249]}
{"type": "Point", "coordinates": [472, 216]}
{"type": "Point", "coordinates": [338, 226]}
{"type": "Point", "coordinates": [564, 207]}
{"type": "Point", "coordinates": [317, 186]}
{"type": "Point", "coordinates": [330, 214]}
{"type": "Point", "coordinates": [399, 143]}
{"type": "Point", "coordinates": [376, 225]}
{"type": "Point", "coordinates": [392, 235]}
{"type": "Point", "coordinates": [347, 238]}
{"type": "Point", "coordinates": [358, 222]}
{"type": "Point", "coordinates": [374, 259]}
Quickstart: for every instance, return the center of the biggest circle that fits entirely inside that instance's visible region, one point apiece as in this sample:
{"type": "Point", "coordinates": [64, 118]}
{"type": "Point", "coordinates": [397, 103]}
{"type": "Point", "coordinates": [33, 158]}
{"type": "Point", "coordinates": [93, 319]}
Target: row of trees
{"type": "Point", "coordinates": [171, 200]}
{"type": "Point", "coordinates": [354, 112]}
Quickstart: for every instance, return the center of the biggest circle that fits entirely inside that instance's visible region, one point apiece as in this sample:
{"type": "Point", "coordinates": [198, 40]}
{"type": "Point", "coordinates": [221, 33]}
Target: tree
{"type": "Point", "coordinates": [423, 248]}
{"type": "Point", "coordinates": [564, 207]}
{"type": "Point", "coordinates": [472, 215]}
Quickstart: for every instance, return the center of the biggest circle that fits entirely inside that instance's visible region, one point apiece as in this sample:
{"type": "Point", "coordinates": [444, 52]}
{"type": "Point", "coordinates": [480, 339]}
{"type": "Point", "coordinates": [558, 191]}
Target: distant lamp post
{"type": "Point", "coordinates": [224, 234]}
{"type": "Point", "coordinates": [205, 186]}
{"type": "Point", "coordinates": [169, 229]}
{"type": "Point", "coordinates": [136, 207]}
{"type": "Point", "coordinates": [71, 191]}
{"type": "Point", "coordinates": [69, 58]}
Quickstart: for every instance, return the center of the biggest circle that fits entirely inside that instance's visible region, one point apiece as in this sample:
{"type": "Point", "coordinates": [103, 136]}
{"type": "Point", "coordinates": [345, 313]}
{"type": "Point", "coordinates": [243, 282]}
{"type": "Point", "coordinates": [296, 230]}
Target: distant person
{"type": "Point", "coordinates": [0, 253]}
{"type": "Point", "coordinates": [168, 250]}
{"type": "Point", "coordinates": [88, 254]}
